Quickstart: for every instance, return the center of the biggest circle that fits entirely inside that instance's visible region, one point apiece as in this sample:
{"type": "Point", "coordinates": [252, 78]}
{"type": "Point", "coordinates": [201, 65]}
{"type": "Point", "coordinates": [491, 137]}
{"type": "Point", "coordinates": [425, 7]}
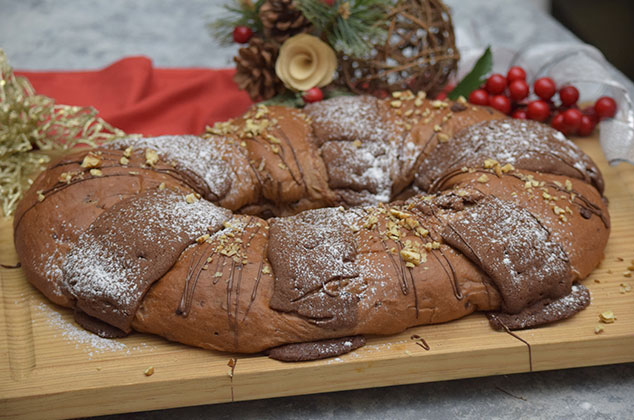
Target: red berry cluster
{"type": "Point", "coordinates": [510, 95]}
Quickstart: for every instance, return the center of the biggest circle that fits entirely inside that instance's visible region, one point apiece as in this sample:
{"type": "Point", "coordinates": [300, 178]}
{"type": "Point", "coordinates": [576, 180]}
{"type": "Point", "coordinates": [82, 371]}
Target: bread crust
{"type": "Point", "coordinates": [289, 266]}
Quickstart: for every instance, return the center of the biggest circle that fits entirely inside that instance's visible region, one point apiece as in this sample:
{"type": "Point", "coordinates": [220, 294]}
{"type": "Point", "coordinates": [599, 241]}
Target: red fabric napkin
{"type": "Point", "coordinates": [136, 97]}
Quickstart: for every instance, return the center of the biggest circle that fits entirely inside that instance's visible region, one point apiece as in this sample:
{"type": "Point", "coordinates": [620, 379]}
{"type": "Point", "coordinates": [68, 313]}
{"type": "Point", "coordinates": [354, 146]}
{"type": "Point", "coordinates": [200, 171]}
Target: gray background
{"type": "Point", "coordinates": [88, 34]}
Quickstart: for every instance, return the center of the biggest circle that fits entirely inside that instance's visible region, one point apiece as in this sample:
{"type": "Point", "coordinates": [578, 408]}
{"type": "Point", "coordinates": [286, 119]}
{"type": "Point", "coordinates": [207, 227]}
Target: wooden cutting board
{"type": "Point", "coordinates": [51, 368]}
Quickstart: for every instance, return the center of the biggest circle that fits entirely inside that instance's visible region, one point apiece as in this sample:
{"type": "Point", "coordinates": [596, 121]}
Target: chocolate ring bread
{"type": "Point", "coordinates": [299, 231]}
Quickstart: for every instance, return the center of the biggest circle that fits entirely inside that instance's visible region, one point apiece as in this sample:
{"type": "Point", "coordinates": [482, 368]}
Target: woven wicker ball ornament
{"type": "Point", "coordinates": [419, 52]}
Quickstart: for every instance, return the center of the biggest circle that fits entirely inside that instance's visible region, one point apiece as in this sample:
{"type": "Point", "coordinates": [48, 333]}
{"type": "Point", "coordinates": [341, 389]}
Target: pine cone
{"type": "Point", "coordinates": [281, 20]}
{"type": "Point", "coordinates": [255, 69]}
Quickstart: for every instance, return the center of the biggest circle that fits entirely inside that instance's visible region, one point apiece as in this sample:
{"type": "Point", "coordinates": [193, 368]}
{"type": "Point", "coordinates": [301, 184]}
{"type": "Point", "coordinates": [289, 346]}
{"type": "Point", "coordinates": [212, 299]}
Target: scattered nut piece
{"type": "Point", "coordinates": [124, 160]}
{"type": "Point", "coordinates": [192, 198]}
{"type": "Point", "coordinates": [443, 138]}
{"type": "Point", "coordinates": [410, 256]}
{"type": "Point", "coordinates": [96, 172]}
{"type": "Point", "coordinates": [127, 152]}
{"type": "Point", "coordinates": [437, 128]}
{"type": "Point", "coordinates": [65, 177]}
{"type": "Point", "coordinates": [607, 317]}
{"type": "Point", "coordinates": [396, 104]}
{"type": "Point", "coordinates": [91, 161]}
{"type": "Point", "coordinates": [356, 143]}
{"type": "Point", "coordinates": [162, 186]}
{"type": "Point", "coordinates": [40, 196]}
{"type": "Point", "coordinates": [266, 269]}
{"type": "Point", "coordinates": [202, 238]}
{"type": "Point", "coordinates": [483, 179]}
{"type": "Point", "coordinates": [149, 371]}
{"type": "Point", "coordinates": [568, 185]}
{"type": "Point", "coordinates": [598, 329]}
{"type": "Point", "coordinates": [151, 157]}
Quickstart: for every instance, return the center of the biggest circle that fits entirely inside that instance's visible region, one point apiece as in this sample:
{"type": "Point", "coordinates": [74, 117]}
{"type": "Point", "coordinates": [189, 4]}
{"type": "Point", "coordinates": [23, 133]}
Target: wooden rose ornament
{"type": "Point", "coordinates": [304, 62]}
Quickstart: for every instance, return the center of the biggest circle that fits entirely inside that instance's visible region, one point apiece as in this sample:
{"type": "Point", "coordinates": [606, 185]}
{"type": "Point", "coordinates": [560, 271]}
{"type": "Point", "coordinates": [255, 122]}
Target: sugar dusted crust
{"type": "Point", "coordinates": [299, 231]}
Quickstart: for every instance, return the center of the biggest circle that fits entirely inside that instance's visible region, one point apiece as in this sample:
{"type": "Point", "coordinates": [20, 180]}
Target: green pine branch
{"type": "Point", "coordinates": [240, 13]}
{"type": "Point", "coordinates": [350, 26]}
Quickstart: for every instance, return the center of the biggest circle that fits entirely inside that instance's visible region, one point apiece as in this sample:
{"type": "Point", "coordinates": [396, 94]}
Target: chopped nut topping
{"type": "Point", "coordinates": [192, 198]}
{"type": "Point", "coordinates": [40, 195]}
{"type": "Point", "coordinates": [422, 232]}
{"type": "Point", "coordinates": [599, 329]}
{"type": "Point", "coordinates": [275, 149]}
{"type": "Point", "coordinates": [396, 103]}
{"type": "Point", "coordinates": [437, 128]}
{"type": "Point", "coordinates": [151, 157]}
{"type": "Point", "coordinates": [507, 168]}
{"type": "Point", "coordinates": [435, 245]}
{"type": "Point", "coordinates": [568, 185]}
{"type": "Point", "coordinates": [443, 138]}
{"type": "Point", "coordinates": [439, 104]}
{"type": "Point", "coordinates": [202, 238]}
{"type": "Point", "coordinates": [607, 317]}
{"type": "Point", "coordinates": [65, 177]}
{"type": "Point", "coordinates": [490, 163]}
{"type": "Point", "coordinates": [461, 100]}
{"type": "Point", "coordinates": [162, 186]}
{"type": "Point", "coordinates": [127, 152]}
{"type": "Point", "coordinates": [282, 166]}
{"type": "Point", "coordinates": [273, 139]}
{"type": "Point", "coordinates": [400, 214]}
{"type": "Point", "coordinates": [483, 179]}
{"type": "Point", "coordinates": [266, 269]}
{"type": "Point", "coordinates": [149, 371]}
{"type": "Point", "coordinates": [356, 143]}
{"type": "Point", "coordinates": [96, 172]}
{"type": "Point", "coordinates": [410, 256]}
{"type": "Point", "coordinates": [218, 274]}
{"type": "Point", "coordinates": [91, 160]}
{"type": "Point", "coordinates": [261, 111]}
{"type": "Point", "coordinates": [124, 160]}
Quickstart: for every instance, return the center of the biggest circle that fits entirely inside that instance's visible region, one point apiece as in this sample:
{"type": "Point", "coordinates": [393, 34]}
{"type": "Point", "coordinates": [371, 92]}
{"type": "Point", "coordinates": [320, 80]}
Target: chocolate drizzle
{"type": "Point", "coordinates": [130, 246]}
{"type": "Point", "coordinates": [510, 245]}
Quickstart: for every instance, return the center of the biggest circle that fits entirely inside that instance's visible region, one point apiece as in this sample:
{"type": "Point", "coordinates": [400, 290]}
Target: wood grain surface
{"type": "Point", "coordinates": [51, 368]}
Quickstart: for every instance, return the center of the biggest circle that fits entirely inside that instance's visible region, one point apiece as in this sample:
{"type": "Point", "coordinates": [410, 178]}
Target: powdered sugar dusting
{"type": "Point", "coordinates": [370, 143]}
{"type": "Point", "coordinates": [95, 270]}
{"type": "Point", "coordinates": [90, 343]}
{"type": "Point", "coordinates": [513, 248]}
{"type": "Point", "coordinates": [191, 153]}
{"type": "Point", "coordinates": [351, 118]}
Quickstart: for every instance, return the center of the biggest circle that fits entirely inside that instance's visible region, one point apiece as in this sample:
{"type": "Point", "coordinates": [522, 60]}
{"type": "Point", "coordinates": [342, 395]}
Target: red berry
{"type": "Point", "coordinates": [515, 73]}
{"type": "Point", "coordinates": [586, 127]}
{"type": "Point", "coordinates": [558, 123]}
{"type": "Point", "coordinates": [569, 95]}
{"type": "Point", "coordinates": [242, 34]}
{"type": "Point", "coordinates": [441, 96]}
{"type": "Point", "coordinates": [572, 120]}
{"type": "Point", "coordinates": [329, 2]}
{"type": "Point", "coordinates": [605, 107]}
{"type": "Point", "coordinates": [479, 97]}
{"type": "Point", "coordinates": [544, 87]}
{"type": "Point", "coordinates": [520, 114]}
{"type": "Point", "coordinates": [495, 84]}
{"type": "Point", "coordinates": [538, 110]}
{"type": "Point", "coordinates": [313, 95]}
{"type": "Point", "coordinates": [518, 90]}
{"type": "Point", "coordinates": [501, 103]}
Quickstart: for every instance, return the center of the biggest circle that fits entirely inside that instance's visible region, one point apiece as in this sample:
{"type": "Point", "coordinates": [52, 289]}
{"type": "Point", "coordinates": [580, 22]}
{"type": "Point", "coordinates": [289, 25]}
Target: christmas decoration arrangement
{"type": "Point", "coordinates": [300, 51]}
{"type": "Point", "coordinates": [32, 127]}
